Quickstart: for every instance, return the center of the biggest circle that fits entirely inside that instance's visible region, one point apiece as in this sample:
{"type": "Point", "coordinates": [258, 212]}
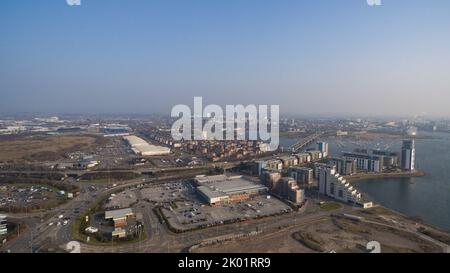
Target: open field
{"type": "Point", "coordinates": [330, 205]}
{"type": "Point", "coordinates": [45, 148]}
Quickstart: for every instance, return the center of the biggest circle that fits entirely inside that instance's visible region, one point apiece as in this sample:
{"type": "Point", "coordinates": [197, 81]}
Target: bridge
{"type": "Point", "coordinates": [305, 142]}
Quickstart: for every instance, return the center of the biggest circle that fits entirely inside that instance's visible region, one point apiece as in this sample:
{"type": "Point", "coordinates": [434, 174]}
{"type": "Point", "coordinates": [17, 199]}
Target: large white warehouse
{"type": "Point", "coordinates": [142, 147]}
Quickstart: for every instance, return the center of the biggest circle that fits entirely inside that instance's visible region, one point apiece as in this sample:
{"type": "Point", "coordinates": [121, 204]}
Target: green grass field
{"type": "Point", "coordinates": [329, 206]}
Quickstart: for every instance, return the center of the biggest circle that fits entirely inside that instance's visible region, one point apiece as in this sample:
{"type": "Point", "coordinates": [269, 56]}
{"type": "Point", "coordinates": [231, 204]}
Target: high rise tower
{"type": "Point", "coordinates": [408, 155]}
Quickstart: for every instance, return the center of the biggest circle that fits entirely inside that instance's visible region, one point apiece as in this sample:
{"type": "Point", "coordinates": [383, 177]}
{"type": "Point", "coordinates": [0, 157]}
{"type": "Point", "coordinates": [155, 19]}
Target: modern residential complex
{"type": "Point", "coordinates": [408, 155]}
{"type": "Point", "coordinates": [303, 158]}
{"type": "Point", "coordinates": [344, 166]}
{"type": "Point", "coordinates": [323, 147]}
{"type": "Point", "coordinates": [334, 185]}
{"type": "Point", "coordinates": [270, 178]}
{"type": "Point", "coordinates": [289, 161]}
{"type": "Point", "coordinates": [275, 164]}
{"type": "Point", "coordinates": [301, 175]}
{"type": "Point", "coordinates": [288, 189]}
{"type": "Point", "coordinates": [3, 228]}
{"type": "Point", "coordinates": [315, 155]}
{"type": "Point", "coordinates": [365, 161]}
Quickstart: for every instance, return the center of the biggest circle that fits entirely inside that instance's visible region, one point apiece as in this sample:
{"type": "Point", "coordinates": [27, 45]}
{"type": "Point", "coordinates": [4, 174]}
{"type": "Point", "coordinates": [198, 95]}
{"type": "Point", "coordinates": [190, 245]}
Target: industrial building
{"type": "Point", "coordinates": [301, 174]}
{"type": "Point", "coordinates": [3, 227]}
{"type": "Point", "coordinates": [115, 130]}
{"type": "Point", "coordinates": [408, 155]}
{"type": "Point", "coordinates": [219, 189]}
{"type": "Point", "coordinates": [335, 186]}
{"type": "Point", "coordinates": [86, 164]}
{"type": "Point", "coordinates": [143, 148]}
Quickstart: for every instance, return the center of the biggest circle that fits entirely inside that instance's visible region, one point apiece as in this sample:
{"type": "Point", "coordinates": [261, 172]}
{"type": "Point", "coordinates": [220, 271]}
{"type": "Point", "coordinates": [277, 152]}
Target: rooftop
{"type": "Point", "coordinates": [140, 146]}
{"type": "Point", "coordinates": [120, 213]}
{"type": "Point", "coordinates": [221, 185]}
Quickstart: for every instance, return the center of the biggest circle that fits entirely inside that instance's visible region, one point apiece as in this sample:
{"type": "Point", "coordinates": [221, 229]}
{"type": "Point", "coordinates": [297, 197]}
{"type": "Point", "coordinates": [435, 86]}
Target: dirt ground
{"type": "Point", "coordinates": [330, 234]}
{"type": "Point", "coordinates": [44, 148]}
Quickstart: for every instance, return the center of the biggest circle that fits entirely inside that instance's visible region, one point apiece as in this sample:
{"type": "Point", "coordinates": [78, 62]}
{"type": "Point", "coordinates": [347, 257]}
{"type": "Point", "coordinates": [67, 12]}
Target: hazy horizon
{"type": "Point", "coordinates": [321, 57]}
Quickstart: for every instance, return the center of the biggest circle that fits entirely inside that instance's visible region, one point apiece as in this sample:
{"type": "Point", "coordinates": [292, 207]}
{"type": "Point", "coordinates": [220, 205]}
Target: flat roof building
{"type": "Point", "coordinates": [315, 155]}
{"type": "Point", "coordinates": [221, 188]}
{"type": "Point", "coordinates": [274, 164]}
{"type": "Point", "coordinates": [289, 161]}
{"type": "Point", "coordinates": [119, 214]}
{"type": "Point", "coordinates": [288, 189]}
{"type": "Point", "coordinates": [303, 158]}
{"type": "Point", "coordinates": [141, 147]}
{"type": "Point", "coordinates": [119, 218]}
{"type": "Point", "coordinates": [365, 161]}
{"type": "Point", "coordinates": [301, 174]}
{"type": "Point", "coordinates": [344, 166]}
{"type": "Point", "coordinates": [119, 233]}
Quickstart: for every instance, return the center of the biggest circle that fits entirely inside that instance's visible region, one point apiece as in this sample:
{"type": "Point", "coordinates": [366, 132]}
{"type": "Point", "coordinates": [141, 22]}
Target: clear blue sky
{"type": "Point", "coordinates": [144, 56]}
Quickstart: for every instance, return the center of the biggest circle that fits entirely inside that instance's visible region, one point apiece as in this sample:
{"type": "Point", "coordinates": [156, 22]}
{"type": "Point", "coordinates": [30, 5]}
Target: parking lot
{"type": "Point", "coordinates": [114, 154]}
{"type": "Point", "coordinates": [167, 192]}
{"type": "Point", "coordinates": [184, 209]}
{"type": "Point", "coordinates": [124, 199]}
{"type": "Point", "coordinates": [194, 213]}
{"type": "Point", "coordinates": [27, 197]}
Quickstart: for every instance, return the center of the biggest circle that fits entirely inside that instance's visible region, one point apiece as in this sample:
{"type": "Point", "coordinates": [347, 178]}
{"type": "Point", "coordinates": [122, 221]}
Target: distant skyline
{"type": "Point", "coordinates": [312, 57]}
